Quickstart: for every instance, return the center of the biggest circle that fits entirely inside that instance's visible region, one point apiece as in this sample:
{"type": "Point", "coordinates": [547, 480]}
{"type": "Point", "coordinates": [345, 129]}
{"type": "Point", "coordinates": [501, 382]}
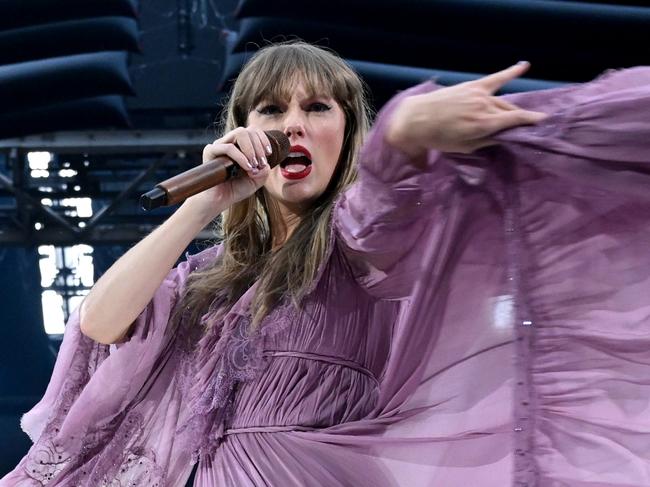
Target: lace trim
{"type": "Point", "coordinates": [130, 465]}
{"type": "Point", "coordinates": [48, 457]}
{"type": "Point", "coordinates": [51, 455]}
{"type": "Point", "coordinates": [123, 461]}
{"type": "Point", "coordinates": [227, 354]}
{"type": "Point", "coordinates": [224, 357]}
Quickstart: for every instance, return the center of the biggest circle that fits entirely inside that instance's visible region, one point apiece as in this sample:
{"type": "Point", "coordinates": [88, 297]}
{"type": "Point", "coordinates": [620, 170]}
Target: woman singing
{"type": "Point", "coordinates": [383, 309]}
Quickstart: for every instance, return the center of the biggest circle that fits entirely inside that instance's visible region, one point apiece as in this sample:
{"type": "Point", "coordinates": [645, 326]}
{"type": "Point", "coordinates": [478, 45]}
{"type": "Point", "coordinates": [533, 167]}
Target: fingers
{"type": "Point", "coordinates": [246, 142]}
{"type": "Point", "coordinates": [246, 146]}
{"type": "Point", "coordinates": [262, 146]}
{"type": "Point", "coordinates": [493, 82]}
{"type": "Point", "coordinates": [503, 114]}
{"type": "Point", "coordinates": [504, 105]}
{"type": "Point", "coordinates": [512, 118]}
{"type": "Point", "coordinates": [216, 149]}
{"type": "Point", "coordinates": [265, 141]}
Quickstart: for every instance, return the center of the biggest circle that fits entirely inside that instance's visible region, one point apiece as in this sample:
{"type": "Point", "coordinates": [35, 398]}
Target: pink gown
{"type": "Point", "coordinates": [484, 321]}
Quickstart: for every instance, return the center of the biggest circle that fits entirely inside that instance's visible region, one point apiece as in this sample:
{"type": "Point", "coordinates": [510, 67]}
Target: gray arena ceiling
{"type": "Point", "coordinates": [125, 93]}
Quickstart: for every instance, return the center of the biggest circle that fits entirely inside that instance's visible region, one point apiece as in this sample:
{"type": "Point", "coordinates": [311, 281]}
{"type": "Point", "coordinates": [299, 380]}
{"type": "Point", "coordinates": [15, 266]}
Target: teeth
{"type": "Point", "coordinates": [296, 154]}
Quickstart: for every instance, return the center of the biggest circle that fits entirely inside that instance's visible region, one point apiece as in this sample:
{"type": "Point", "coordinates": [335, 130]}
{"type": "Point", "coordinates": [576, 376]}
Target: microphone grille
{"type": "Point", "coordinates": [280, 145]}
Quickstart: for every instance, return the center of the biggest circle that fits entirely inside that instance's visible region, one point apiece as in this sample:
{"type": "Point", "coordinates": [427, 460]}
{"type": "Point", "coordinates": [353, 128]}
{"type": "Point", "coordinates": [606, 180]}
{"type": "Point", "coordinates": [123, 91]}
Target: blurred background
{"type": "Point", "coordinates": [100, 100]}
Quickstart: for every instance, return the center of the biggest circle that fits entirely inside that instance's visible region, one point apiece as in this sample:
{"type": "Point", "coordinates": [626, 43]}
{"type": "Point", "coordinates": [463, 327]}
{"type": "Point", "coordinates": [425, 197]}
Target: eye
{"type": "Point", "coordinates": [318, 107]}
{"type": "Point", "coordinates": [269, 110]}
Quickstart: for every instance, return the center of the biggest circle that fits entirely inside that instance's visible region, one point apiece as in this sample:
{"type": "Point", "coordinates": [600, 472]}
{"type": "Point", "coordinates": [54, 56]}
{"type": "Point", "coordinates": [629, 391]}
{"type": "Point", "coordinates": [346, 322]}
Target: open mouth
{"type": "Point", "coordinates": [297, 164]}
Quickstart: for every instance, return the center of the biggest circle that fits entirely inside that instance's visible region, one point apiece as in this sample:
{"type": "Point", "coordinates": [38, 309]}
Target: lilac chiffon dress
{"type": "Point", "coordinates": [482, 320]}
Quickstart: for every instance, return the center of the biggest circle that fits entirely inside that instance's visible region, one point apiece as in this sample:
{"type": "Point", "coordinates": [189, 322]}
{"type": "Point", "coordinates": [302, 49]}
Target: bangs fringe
{"type": "Point", "coordinates": [247, 226]}
{"type": "Point", "coordinates": [275, 75]}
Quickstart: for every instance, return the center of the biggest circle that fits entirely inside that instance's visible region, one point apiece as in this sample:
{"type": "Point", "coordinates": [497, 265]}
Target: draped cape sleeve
{"type": "Point", "coordinates": [521, 354]}
{"type": "Point", "coordinates": [123, 400]}
{"type": "Point", "coordinates": [383, 220]}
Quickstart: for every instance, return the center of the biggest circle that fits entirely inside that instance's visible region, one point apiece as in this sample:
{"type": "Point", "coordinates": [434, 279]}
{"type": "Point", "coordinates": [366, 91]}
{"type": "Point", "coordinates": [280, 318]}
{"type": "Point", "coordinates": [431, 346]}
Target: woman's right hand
{"type": "Point", "coordinates": [248, 148]}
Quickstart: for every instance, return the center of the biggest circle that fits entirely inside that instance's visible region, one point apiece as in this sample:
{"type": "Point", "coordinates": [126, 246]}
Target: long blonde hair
{"type": "Point", "coordinates": [246, 227]}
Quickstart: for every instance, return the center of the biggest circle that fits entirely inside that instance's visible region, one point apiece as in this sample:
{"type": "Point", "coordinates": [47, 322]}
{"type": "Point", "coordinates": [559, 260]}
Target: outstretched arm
{"type": "Point", "coordinates": [597, 135]}
{"type": "Point", "coordinates": [404, 181]}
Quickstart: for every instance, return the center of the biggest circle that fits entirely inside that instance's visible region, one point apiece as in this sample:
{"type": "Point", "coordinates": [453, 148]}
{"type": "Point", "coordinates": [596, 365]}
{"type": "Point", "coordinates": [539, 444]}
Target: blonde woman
{"type": "Point", "coordinates": [358, 323]}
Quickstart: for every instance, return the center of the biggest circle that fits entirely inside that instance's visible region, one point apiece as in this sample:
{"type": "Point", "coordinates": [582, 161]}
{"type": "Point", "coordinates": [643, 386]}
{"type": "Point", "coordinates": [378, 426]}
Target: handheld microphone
{"type": "Point", "coordinates": [199, 178]}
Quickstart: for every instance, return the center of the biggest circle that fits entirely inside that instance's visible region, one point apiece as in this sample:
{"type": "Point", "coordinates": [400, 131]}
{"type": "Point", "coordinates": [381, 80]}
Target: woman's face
{"type": "Point", "coordinates": [315, 126]}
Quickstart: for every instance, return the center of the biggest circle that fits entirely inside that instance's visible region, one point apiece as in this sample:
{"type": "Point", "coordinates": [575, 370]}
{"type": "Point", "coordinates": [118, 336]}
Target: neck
{"type": "Point", "coordinates": [284, 221]}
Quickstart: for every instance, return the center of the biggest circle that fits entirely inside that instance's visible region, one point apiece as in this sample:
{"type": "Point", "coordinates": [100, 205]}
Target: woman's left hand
{"type": "Point", "coordinates": [459, 118]}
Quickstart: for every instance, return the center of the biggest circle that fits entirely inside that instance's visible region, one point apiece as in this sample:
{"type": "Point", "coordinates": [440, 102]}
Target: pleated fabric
{"type": "Point", "coordinates": [480, 319]}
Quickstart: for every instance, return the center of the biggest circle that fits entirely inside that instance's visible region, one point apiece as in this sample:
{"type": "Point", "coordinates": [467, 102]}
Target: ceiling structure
{"type": "Point", "coordinates": [90, 81]}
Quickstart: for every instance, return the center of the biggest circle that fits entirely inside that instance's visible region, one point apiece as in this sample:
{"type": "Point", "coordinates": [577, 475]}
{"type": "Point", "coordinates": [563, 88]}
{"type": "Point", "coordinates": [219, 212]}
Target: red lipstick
{"type": "Point", "coordinates": [299, 148]}
{"type": "Point", "coordinates": [303, 159]}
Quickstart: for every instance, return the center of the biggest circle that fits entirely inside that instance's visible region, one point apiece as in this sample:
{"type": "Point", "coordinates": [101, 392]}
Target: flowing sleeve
{"type": "Point", "coordinates": [99, 390]}
{"type": "Point", "coordinates": [384, 218]}
{"type": "Point", "coordinates": [523, 356]}
{"type": "Point", "coordinates": [595, 138]}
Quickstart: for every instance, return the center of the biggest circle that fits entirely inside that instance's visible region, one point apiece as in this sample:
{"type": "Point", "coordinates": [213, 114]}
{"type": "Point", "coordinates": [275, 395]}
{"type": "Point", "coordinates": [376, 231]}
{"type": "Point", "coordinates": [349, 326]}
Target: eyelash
{"type": "Point", "coordinates": [274, 109]}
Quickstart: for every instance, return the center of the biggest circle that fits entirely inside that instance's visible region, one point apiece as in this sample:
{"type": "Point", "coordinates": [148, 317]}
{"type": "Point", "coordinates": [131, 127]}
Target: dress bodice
{"type": "Point", "coordinates": [322, 363]}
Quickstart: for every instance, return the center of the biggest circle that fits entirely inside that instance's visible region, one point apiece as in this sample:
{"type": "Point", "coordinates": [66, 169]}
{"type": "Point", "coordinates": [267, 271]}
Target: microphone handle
{"type": "Point", "coordinates": [204, 176]}
{"type": "Point", "coordinates": [182, 186]}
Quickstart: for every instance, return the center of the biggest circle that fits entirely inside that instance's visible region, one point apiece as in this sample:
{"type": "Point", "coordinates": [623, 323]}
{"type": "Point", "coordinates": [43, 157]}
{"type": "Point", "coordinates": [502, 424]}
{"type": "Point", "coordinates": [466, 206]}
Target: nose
{"type": "Point", "coordinates": [294, 124]}
{"type": "Point", "coordinates": [294, 130]}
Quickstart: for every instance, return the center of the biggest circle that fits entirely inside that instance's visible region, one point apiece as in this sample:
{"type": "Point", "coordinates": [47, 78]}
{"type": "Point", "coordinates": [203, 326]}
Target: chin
{"type": "Point", "coordinates": [297, 194]}
{"type": "Point", "coordinates": [300, 193]}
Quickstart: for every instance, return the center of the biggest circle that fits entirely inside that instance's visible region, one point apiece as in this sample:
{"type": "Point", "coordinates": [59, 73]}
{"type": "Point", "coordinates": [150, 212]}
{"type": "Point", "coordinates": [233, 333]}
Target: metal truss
{"type": "Point", "coordinates": [111, 167]}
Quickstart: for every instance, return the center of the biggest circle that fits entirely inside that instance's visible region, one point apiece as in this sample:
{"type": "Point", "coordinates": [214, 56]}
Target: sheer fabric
{"type": "Point", "coordinates": [480, 320]}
